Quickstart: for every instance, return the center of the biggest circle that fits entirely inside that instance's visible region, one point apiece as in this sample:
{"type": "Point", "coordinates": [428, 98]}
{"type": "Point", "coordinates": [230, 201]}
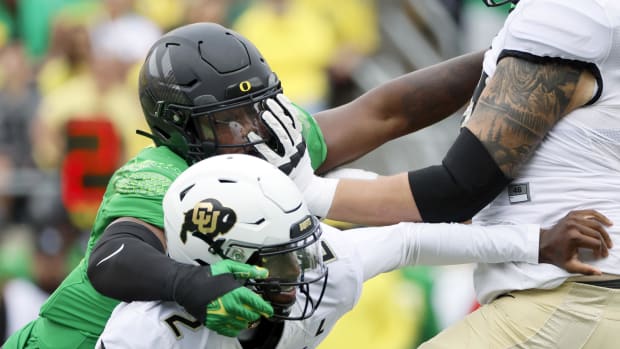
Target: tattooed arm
{"type": "Point", "coordinates": [398, 107]}
{"type": "Point", "coordinates": [521, 103]}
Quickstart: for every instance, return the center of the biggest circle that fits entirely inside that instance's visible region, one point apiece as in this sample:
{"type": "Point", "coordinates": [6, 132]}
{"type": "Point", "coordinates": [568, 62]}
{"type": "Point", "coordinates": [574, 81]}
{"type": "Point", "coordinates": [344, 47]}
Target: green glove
{"type": "Point", "coordinates": [237, 309]}
{"type": "Point", "coordinates": [239, 270]}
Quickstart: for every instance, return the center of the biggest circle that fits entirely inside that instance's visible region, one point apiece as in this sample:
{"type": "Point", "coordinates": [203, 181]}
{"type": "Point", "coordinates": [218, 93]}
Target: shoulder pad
{"type": "Point", "coordinates": [569, 29]}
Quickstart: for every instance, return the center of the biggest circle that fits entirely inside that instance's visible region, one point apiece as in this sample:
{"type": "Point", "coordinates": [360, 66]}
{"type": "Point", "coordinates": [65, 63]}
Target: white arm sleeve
{"type": "Point", "coordinates": [383, 249]}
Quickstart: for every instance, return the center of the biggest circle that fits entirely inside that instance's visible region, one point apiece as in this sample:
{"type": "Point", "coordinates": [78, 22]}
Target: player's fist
{"type": "Point", "coordinates": [240, 308]}
{"type": "Point", "coordinates": [239, 270]}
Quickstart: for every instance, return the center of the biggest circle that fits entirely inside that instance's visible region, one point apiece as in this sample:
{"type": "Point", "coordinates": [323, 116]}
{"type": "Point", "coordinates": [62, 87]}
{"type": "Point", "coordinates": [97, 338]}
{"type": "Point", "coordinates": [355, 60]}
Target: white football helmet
{"type": "Point", "coordinates": [240, 207]}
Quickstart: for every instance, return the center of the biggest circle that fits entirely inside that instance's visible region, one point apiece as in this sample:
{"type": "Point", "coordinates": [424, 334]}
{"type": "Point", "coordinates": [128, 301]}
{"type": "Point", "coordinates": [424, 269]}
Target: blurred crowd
{"type": "Point", "coordinates": [69, 111]}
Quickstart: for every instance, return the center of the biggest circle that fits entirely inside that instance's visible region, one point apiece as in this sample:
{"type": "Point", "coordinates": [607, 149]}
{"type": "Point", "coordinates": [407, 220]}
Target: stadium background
{"type": "Point", "coordinates": [69, 110]}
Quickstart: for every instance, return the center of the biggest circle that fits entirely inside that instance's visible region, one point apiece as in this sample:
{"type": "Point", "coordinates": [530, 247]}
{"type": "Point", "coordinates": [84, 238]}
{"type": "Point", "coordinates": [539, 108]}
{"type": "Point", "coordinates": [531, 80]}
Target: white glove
{"type": "Point", "coordinates": [293, 158]}
{"type": "Point", "coordinates": [286, 127]}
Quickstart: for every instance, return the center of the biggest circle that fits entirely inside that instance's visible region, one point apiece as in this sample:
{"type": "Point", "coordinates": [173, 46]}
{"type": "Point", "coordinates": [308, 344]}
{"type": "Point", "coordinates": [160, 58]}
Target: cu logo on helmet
{"type": "Point", "coordinates": [208, 220]}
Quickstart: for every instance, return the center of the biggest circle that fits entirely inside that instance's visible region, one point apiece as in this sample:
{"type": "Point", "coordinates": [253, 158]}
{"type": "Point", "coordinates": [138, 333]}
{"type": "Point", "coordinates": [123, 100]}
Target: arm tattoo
{"type": "Point", "coordinates": [523, 101]}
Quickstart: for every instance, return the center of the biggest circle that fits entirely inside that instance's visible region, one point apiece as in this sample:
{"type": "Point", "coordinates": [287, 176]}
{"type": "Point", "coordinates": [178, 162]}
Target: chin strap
{"type": "Point", "coordinates": [145, 134]}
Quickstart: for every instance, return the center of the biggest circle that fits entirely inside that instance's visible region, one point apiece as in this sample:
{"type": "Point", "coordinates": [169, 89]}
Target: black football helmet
{"type": "Point", "coordinates": [201, 89]}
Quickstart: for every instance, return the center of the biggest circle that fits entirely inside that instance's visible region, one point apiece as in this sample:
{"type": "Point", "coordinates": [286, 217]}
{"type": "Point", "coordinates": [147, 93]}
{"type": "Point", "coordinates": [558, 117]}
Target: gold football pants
{"type": "Point", "coordinates": [574, 315]}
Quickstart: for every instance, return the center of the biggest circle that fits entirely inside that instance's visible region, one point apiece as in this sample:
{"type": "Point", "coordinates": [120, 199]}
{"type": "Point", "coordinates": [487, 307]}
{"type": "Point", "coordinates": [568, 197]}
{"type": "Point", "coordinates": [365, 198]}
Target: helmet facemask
{"type": "Point", "coordinates": [221, 129]}
{"type": "Point", "coordinates": [294, 266]}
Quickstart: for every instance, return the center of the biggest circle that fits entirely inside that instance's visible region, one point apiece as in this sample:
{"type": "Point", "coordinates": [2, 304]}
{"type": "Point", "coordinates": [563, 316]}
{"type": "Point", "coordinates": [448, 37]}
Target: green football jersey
{"type": "Point", "coordinates": [75, 314]}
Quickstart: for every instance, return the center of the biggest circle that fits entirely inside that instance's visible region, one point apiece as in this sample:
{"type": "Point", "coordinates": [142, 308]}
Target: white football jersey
{"type": "Point", "coordinates": [352, 257]}
{"type": "Point", "coordinates": [577, 165]}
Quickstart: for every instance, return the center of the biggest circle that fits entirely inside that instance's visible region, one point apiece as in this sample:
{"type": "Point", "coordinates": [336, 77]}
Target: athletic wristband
{"type": "Point", "coordinates": [466, 181]}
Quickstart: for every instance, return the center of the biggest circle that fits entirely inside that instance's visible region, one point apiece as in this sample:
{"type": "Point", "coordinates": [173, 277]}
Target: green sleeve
{"type": "Point", "coordinates": [313, 137]}
{"type": "Point", "coordinates": [137, 190]}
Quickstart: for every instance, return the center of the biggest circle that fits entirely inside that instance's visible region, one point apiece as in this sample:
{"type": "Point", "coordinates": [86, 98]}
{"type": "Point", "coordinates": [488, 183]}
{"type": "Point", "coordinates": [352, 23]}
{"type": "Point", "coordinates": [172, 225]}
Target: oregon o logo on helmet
{"type": "Point", "coordinates": [245, 86]}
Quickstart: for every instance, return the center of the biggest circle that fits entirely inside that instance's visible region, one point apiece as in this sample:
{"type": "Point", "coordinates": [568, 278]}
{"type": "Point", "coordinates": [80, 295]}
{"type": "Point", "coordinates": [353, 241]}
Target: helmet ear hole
{"type": "Point", "coordinates": [178, 119]}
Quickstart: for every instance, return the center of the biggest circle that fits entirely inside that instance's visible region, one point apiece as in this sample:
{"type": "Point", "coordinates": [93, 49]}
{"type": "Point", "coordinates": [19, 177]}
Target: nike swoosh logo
{"type": "Point", "coordinates": [112, 255]}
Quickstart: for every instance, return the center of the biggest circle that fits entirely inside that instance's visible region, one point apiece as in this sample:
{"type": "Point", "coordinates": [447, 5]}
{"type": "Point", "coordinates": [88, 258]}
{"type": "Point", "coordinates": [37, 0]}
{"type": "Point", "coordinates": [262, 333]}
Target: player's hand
{"type": "Point", "coordinates": [281, 117]}
{"type": "Point", "coordinates": [240, 308]}
{"type": "Point", "coordinates": [291, 155]}
{"type": "Point", "coordinates": [583, 229]}
{"type": "Point", "coordinates": [239, 270]}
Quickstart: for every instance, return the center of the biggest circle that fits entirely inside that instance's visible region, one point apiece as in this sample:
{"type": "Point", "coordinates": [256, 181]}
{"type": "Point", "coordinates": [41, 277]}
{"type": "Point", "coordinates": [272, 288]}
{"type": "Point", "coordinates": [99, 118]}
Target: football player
{"type": "Point", "coordinates": [219, 211]}
{"type": "Point", "coordinates": [202, 88]}
{"type": "Point", "coordinates": [190, 88]}
{"type": "Point", "coordinates": [540, 136]}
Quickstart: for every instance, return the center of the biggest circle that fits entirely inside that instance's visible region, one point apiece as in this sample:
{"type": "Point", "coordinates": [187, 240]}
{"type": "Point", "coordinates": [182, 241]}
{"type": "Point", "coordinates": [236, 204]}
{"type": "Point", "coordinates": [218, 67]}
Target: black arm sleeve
{"type": "Point", "coordinates": [128, 263]}
{"type": "Point", "coordinates": [466, 181]}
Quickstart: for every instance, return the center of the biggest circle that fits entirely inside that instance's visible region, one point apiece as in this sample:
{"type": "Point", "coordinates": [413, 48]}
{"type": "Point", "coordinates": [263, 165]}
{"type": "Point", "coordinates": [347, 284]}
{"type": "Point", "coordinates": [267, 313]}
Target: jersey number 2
{"type": "Point", "coordinates": [172, 323]}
